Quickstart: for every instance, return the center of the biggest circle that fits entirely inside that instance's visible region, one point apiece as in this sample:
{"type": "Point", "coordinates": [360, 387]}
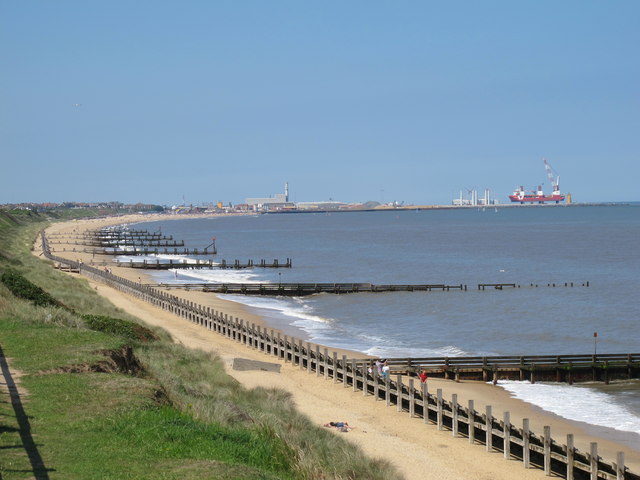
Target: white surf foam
{"type": "Point", "coordinates": [577, 403]}
{"type": "Point", "coordinates": [296, 310]}
{"type": "Point", "coordinates": [154, 258]}
{"type": "Point", "coordinates": [397, 350]}
{"type": "Point", "coordinates": [216, 275]}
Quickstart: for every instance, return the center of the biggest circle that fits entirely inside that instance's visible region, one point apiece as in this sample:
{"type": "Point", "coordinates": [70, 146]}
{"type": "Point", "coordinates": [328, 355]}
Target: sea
{"type": "Point", "coordinates": [534, 247]}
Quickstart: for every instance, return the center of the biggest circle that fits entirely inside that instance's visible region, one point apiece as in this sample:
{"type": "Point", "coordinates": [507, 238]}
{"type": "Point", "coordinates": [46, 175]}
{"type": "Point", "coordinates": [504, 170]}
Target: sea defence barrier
{"type": "Point", "coordinates": [166, 264]}
{"type": "Point", "coordinates": [533, 450]}
{"type": "Point", "coordinates": [547, 368]}
{"type": "Point", "coordinates": [302, 289]}
{"type": "Point", "coordinates": [142, 251]}
{"type": "Point", "coordinates": [127, 242]}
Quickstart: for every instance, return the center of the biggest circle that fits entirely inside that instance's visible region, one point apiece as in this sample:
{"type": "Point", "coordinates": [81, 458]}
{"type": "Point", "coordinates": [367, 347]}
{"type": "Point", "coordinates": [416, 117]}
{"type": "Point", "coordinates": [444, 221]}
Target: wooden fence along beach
{"type": "Point", "coordinates": [534, 450]}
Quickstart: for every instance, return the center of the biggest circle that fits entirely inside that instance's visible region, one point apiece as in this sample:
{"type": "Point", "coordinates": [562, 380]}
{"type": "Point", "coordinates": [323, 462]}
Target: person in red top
{"type": "Point", "coordinates": [423, 376]}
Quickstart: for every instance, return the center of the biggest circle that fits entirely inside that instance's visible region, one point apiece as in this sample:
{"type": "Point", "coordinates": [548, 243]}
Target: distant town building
{"type": "Point", "coordinates": [279, 201]}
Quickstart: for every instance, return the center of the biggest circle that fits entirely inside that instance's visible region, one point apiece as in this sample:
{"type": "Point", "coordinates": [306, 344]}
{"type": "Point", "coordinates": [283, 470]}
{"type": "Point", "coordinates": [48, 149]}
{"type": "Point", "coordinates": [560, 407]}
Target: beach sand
{"type": "Point", "coordinates": [419, 451]}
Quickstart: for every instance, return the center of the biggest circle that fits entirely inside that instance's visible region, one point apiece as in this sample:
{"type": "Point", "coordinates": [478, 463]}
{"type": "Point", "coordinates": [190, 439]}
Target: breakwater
{"type": "Point", "coordinates": [549, 368]}
{"type": "Point", "coordinates": [303, 289]}
{"type": "Point", "coordinates": [541, 451]}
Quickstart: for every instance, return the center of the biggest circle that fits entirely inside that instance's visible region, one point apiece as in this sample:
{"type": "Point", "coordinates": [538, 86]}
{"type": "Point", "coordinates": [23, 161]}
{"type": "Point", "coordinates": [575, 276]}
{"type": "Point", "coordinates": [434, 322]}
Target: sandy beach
{"type": "Point", "coordinates": [419, 451]}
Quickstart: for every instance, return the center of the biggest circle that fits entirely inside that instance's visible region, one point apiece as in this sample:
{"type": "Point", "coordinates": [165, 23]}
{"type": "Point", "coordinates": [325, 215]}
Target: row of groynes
{"type": "Point", "coordinates": [533, 450]}
{"type": "Point", "coordinates": [117, 242]}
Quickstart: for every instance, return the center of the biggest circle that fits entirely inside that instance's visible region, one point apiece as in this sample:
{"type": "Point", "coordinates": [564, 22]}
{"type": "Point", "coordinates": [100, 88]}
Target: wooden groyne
{"type": "Point", "coordinates": [556, 457]}
{"type": "Point", "coordinates": [501, 286]}
{"type": "Point", "coordinates": [303, 289]}
{"type": "Point", "coordinates": [123, 243]}
{"type": "Point", "coordinates": [201, 264]}
{"type": "Point", "coordinates": [142, 251]}
{"type": "Point", "coordinates": [136, 243]}
{"type": "Point", "coordinates": [534, 368]}
{"type": "Point", "coordinates": [106, 233]}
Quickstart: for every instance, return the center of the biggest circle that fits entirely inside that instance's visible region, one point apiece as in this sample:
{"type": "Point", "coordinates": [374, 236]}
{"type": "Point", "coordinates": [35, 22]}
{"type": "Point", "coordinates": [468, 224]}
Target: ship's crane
{"type": "Point", "coordinates": [555, 182]}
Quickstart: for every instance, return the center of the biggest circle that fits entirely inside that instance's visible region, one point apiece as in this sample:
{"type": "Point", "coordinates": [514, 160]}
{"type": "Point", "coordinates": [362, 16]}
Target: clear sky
{"type": "Point", "coordinates": [199, 101]}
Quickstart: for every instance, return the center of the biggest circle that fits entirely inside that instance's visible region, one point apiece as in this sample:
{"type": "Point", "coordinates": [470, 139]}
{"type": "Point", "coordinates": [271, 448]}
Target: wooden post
{"type": "Point", "coordinates": [376, 384]}
{"type": "Point", "coordinates": [425, 403]}
{"type": "Point", "coordinates": [399, 393]}
{"type": "Point", "coordinates": [335, 367]}
{"type": "Point", "coordinates": [308, 357]}
{"type": "Point", "coordinates": [526, 453]}
{"type": "Point", "coordinates": [620, 466]}
{"type": "Point", "coordinates": [317, 360]}
{"type": "Point", "coordinates": [286, 350]}
{"type": "Point", "coordinates": [345, 382]}
{"type": "Point", "coordinates": [412, 399]}
{"type": "Point", "coordinates": [300, 359]}
{"type": "Point", "coordinates": [295, 352]}
{"type": "Point", "coordinates": [279, 346]}
{"type": "Point", "coordinates": [547, 450]}
{"type": "Point", "coordinates": [593, 457]}
{"type": "Point", "coordinates": [354, 369]}
{"type": "Point", "coordinates": [387, 390]}
{"type": "Point", "coordinates": [258, 337]}
{"type": "Point", "coordinates": [365, 380]}
{"type": "Point", "coordinates": [326, 363]}
{"type": "Point", "coordinates": [235, 328]}
{"type": "Point", "coordinates": [506, 435]}
{"type": "Point", "coordinates": [272, 342]}
{"type": "Point", "coordinates": [489, 427]}
{"type": "Point", "coordinates": [571, 454]}
{"type": "Point", "coordinates": [439, 407]}
{"type": "Point", "coordinates": [471, 415]}
{"type": "Point", "coordinates": [454, 414]}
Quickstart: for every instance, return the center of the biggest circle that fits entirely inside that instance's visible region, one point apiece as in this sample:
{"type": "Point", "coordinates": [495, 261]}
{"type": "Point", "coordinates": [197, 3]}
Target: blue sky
{"type": "Point", "coordinates": [389, 101]}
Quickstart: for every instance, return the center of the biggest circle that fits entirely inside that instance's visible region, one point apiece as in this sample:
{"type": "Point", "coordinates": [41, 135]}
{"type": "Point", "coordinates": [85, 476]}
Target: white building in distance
{"type": "Point", "coordinates": [278, 202]}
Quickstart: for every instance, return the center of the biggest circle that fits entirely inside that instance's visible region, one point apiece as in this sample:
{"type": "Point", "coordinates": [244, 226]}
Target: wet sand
{"type": "Point", "coordinates": [419, 451]}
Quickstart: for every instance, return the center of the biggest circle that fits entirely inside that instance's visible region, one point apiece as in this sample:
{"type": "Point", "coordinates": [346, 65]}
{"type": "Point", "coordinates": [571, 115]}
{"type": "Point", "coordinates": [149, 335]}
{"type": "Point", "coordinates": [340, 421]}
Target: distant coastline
{"type": "Point", "coordinates": [450, 207]}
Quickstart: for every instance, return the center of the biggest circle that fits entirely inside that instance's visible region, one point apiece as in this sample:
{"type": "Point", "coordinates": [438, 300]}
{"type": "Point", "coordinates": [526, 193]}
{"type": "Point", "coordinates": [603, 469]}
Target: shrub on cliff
{"type": "Point", "coordinates": [116, 326]}
{"type": "Point", "coordinates": [23, 288]}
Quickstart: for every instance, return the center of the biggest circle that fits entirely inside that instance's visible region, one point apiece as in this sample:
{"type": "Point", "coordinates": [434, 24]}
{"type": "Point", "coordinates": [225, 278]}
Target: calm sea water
{"type": "Point", "coordinates": [540, 246]}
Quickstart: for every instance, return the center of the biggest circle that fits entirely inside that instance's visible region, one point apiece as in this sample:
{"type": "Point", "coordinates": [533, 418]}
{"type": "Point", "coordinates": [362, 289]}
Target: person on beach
{"type": "Point", "coordinates": [340, 426]}
{"type": "Point", "coordinates": [379, 366]}
{"type": "Point", "coordinates": [386, 370]}
{"type": "Point", "coordinates": [423, 376]}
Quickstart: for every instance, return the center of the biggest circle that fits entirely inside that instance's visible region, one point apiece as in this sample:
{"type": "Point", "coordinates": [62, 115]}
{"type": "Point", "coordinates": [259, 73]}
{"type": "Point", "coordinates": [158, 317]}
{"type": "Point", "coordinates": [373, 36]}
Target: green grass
{"type": "Point", "coordinates": [117, 431]}
{"type": "Point", "coordinates": [179, 417]}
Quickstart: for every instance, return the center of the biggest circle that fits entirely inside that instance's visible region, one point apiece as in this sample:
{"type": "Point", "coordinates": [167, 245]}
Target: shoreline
{"type": "Point", "coordinates": [483, 394]}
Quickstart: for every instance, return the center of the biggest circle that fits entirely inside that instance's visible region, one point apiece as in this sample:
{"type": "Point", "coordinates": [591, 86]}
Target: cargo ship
{"type": "Point", "coordinates": [538, 196]}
